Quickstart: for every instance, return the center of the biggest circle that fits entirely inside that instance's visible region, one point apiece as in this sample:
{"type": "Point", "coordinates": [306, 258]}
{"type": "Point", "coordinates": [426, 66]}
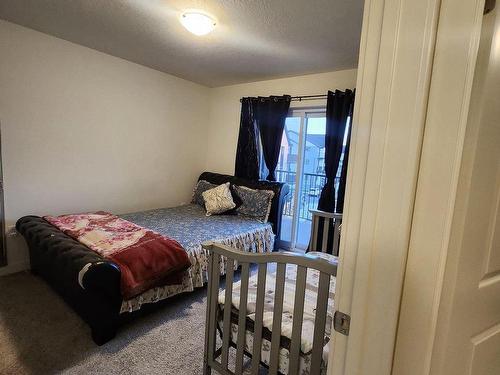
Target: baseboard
{"type": "Point", "coordinates": [14, 267]}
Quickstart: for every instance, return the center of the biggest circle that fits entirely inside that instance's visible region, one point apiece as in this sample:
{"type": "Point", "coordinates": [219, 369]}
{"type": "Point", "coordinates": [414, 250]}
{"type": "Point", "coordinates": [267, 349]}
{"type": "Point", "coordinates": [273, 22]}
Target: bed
{"type": "Point", "coordinates": [290, 291]}
{"type": "Point", "coordinates": [90, 284]}
{"type": "Point", "coordinates": [189, 225]}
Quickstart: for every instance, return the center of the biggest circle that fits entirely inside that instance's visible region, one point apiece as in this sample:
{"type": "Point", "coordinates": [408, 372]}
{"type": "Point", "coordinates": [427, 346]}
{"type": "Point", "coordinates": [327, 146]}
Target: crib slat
{"type": "Point", "coordinates": [315, 228]}
{"type": "Point", "coordinates": [298, 313]}
{"type": "Point", "coordinates": [277, 315]}
{"type": "Point", "coordinates": [320, 322]}
{"type": "Point", "coordinates": [259, 310]}
{"type": "Point", "coordinates": [336, 236]}
{"type": "Point", "coordinates": [326, 231]}
{"type": "Point", "coordinates": [208, 317]}
{"type": "Point", "coordinates": [242, 314]}
{"type": "Point", "coordinates": [227, 312]}
{"type": "Point", "coordinates": [214, 275]}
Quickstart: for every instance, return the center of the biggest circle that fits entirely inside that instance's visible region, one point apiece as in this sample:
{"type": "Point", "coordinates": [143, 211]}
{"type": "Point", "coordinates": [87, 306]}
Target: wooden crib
{"type": "Point", "coordinates": [229, 314]}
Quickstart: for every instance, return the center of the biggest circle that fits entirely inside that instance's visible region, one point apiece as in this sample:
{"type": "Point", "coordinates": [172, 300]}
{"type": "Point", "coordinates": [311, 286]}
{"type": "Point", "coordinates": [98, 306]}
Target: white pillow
{"type": "Point", "coordinates": [218, 199]}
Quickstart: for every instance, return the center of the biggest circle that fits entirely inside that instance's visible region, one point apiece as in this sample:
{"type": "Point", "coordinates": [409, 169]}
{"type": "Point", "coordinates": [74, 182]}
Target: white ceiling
{"type": "Point", "coordinates": [254, 39]}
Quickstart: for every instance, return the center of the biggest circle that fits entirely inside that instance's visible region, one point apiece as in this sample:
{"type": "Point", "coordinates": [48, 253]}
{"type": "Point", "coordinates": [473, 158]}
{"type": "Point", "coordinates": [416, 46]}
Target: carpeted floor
{"type": "Point", "coordinates": [40, 334]}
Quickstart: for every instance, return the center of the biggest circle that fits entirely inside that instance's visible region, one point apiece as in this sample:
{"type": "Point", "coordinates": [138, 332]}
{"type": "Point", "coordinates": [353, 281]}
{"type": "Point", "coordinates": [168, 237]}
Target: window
{"type": "Point", "coordinates": [301, 165]}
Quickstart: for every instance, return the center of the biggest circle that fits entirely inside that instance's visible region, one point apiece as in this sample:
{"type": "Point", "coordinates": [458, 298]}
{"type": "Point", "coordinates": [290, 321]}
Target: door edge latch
{"type": "Point", "coordinates": [341, 323]}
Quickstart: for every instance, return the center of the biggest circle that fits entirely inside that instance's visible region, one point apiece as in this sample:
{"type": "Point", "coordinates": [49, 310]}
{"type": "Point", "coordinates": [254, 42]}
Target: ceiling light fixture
{"type": "Point", "coordinates": [197, 22]}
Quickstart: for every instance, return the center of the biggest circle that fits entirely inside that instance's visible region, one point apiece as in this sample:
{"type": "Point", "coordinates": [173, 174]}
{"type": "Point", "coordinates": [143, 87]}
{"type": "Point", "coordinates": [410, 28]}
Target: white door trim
{"type": "Point", "coordinates": [397, 46]}
{"type": "Point", "coordinates": [452, 78]}
{"type": "Point", "coordinates": [298, 176]}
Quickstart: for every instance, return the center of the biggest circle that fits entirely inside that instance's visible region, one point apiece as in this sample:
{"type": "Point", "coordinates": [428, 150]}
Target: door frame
{"type": "Point", "coordinates": [430, 248]}
{"type": "Point", "coordinates": [302, 112]}
{"type": "Point", "coordinates": [394, 73]}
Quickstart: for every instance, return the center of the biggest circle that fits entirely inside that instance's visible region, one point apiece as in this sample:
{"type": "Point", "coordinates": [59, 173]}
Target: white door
{"type": "Point", "coordinates": [468, 331]}
{"type": "Point", "coordinates": [394, 72]}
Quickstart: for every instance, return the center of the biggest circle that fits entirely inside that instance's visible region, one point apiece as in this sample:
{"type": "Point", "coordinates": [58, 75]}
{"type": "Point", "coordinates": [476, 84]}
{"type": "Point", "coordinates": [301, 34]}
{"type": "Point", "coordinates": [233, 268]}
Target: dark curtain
{"type": "Point", "coordinates": [343, 174]}
{"type": "Point", "coordinates": [271, 115]}
{"type": "Point", "coordinates": [247, 155]}
{"type": "Point", "coordinates": [338, 109]}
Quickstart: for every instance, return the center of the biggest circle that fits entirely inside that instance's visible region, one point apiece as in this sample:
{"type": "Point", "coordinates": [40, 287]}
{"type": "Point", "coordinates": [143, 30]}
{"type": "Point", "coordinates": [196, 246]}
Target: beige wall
{"type": "Point", "coordinates": [224, 119]}
{"type": "Point", "coordinates": [82, 130]}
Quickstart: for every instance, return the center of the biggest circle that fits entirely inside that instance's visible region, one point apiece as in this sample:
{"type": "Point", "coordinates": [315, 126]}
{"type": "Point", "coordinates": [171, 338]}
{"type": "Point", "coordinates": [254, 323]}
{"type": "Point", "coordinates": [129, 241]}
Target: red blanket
{"type": "Point", "coordinates": [146, 258]}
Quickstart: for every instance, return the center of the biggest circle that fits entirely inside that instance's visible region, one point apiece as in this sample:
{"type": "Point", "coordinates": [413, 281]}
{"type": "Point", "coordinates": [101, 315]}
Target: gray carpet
{"type": "Point", "coordinates": [40, 334]}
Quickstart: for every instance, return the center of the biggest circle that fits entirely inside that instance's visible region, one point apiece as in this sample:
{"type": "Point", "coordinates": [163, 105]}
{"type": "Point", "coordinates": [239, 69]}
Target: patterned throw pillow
{"type": "Point", "coordinates": [218, 200]}
{"type": "Point", "coordinates": [200, 187]}
{"type": "Point", "coordinates": [255, 203]}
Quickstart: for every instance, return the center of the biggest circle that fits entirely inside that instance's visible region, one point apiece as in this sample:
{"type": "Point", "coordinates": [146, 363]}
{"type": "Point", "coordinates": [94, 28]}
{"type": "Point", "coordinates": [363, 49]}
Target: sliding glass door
{"type": "Point", "coordinates": [301, 165]}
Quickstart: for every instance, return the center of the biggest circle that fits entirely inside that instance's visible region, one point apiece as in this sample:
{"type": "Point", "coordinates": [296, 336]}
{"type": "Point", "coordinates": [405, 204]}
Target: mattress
{"type": "Point", "coordinates": [312, 280]}
{"type": "Point", "coordinates": [189, 225]}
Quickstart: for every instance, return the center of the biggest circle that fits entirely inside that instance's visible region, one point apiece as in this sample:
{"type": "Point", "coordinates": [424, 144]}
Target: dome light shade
{"type": "Point", "coordinates": [197, 23]}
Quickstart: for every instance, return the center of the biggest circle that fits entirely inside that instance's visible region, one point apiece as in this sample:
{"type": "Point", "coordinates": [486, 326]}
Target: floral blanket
{"type": "Point", "coordinates": [146, 258]}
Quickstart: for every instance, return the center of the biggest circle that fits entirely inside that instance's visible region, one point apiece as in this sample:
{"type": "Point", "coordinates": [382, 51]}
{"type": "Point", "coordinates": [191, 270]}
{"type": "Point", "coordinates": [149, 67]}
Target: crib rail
{"type": "Point", "coordinates": [326, 240]}
{"type": "Point", "coordinates": [218, 253]}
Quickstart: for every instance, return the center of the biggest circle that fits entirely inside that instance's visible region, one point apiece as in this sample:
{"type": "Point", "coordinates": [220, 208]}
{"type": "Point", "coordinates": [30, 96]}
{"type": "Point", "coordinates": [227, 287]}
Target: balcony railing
{"type": "Point", "coordinates": [312, 184]}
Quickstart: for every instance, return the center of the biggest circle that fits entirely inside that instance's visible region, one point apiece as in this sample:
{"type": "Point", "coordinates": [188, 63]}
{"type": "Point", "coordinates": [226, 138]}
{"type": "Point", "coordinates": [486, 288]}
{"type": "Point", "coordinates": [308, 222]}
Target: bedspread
{"type": "Point", "coordinates": [189, 225]}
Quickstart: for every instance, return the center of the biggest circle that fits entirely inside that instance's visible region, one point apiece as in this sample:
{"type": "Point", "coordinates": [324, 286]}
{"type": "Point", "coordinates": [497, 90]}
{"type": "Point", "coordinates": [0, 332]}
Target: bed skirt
{"type": "Point", "coordinates": [255, 241]}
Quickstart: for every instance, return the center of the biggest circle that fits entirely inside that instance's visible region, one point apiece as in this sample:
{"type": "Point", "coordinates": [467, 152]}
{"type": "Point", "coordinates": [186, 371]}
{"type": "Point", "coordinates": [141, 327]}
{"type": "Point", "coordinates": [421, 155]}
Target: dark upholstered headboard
{"type": "Point", "coordinates": [280, 192]}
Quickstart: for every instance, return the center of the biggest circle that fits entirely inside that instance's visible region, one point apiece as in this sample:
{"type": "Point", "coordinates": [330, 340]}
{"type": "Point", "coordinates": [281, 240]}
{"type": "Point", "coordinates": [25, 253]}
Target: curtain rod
{"type": "Point", "coordinates": [305, 97]}
{"type": "Point", "coordinates": [308, 97]}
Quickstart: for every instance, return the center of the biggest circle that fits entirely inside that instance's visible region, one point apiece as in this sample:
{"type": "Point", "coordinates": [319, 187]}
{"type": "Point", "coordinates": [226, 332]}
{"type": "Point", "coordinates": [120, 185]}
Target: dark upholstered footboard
{"type": "Point", "coordinates": [58, 259]}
